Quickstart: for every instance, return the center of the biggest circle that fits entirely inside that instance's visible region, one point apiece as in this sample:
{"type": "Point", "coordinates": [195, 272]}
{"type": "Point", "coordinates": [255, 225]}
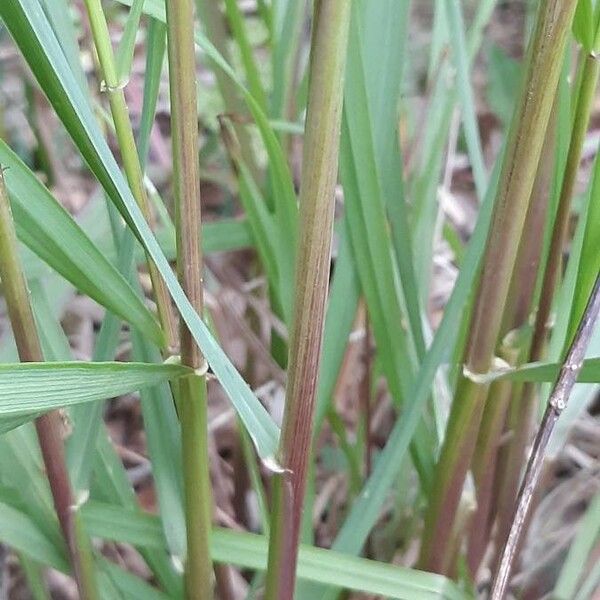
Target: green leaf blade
{"type": "Point", "coordinates": [38, 387]}
{"type": "Point", "coordinates": [31, 31]}
{"type": "Point", "coordinates": [45, 227]}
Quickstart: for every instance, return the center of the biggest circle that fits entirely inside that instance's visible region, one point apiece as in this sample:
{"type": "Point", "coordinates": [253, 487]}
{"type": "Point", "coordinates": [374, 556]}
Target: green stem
{"type": "Point", "coordinates": [523, 151]}
{"type": "Point", "coordinates": [198, 497]}
{"type": "Point", "coordinates": [513, 348]}
{"type": "Point", "coordinates": [585, 100]}
{"type": "Point", "coordinates": [589, 254]}
{"type": "Point", "coordinates": [192, 393]}
{"type": "Point", "coordinates": [129, 154]}
{"type": "Point", "coordinates": [48, 426]}
{"type": "Point", "coordinates": [523, 411]}
{"type": "Point", "coordinates": [319, 174]}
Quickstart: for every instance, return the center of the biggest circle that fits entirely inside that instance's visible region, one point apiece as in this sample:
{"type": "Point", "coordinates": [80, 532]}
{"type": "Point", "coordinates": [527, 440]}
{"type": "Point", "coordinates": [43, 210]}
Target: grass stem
{"type": "Point", "coordinates": [557, 403]}
{"type": "Point", "coordinates": [524, 411]}
{"type": "Point", "coordinates": [319, 174]}
{"type": "Point", "coordinates": [516, 182]}
{"type": "Point", "coordinates": [585, 100]}
{"type": "Point", "coordinates": [513, 348]}
{"type": "Point", "coordinates": [49, 426]}
{"type": "Point", "coordinates": [114, 88]}
{"type": "Point", "coordinates": [192, 392]}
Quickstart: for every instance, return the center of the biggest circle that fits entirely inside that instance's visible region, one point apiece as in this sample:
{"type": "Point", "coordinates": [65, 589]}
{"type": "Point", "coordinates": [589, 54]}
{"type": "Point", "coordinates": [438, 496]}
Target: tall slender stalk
{"type": "Point", "coordinates": [319, 173]}
{"type": "Point", "coordinates": [131, 162]}
{"type": "Point", "coordinates": [192, 391]}
{"type": "Point", "coordinates": [513, 347]}
{"type": "Point", "coordinates": [48, 426]}
{"type": "Point", "coordinates": [585, 100]}
{"type": "Point", "coordinates": [523, 151]}
{"type": "Point", "coordinates": [556, 404]}
{"type": "Point", "coordinates": [523, 415]}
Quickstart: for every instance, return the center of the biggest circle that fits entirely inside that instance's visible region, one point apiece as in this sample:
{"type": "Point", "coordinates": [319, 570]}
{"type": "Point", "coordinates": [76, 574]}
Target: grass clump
{"type": "Point", "coordinates": [341, 286]}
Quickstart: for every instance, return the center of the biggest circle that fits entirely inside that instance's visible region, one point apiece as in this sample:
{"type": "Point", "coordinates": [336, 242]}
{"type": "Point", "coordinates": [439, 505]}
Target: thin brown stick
{"type": "Point", "coordinates": [557, 403]}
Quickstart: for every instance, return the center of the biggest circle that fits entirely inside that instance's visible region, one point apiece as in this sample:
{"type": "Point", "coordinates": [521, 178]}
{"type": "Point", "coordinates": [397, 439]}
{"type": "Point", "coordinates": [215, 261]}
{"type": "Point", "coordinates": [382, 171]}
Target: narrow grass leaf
{"type": "Point", "coordinates": [111, 522]}
{"type": "Point", "coordinates": [250, 551]}
{"type": "Point", "coordinates": [238, 29]}
{"type": "Point", "coordinates": [325, 566]}
{"type": "Point", "coordinates": [155, 55]}
{"type": "Point", "coordinates": [341, 312]}
{"type": "Point", "coordinates": [111, 485]}
{"type": "Point", "coordinates": [19, 532]}
{"type": "Point", "coordinates": [569, 302]}
{"type": "Point", "coordinates": [465, 91]}
{"type": "Point", "coordinates": [128, 585]}
{"type": "Point", "coordinates": [22, 471]}
{"type": "Point", "coordinates": [503, 83]}
{"type": "Point", "coordinates": [260, 220]}
{"type": "Point", "coordinates": [287, 18]}
{"type": "Point", "coordinates": [30, 29]}
{"type": "Point", "coordinates": [546, 372]}
{"type": "Point", "coordinates": [583, 24]}
{"type": "Point", "coordinates": [589, 259]}
{"type": "Point", "coordinates": [384, 35]}
{"type": "Point", "coordinates": [428, 149]}
{"type": "Point", "coordinates": [370, 237]}
{"type": "Point", "coordinates": [164, 446]}
{"type": "Point", "coordinates": [48, 230]}
{"type": "Point", "coordinates": [224, 235]}
{"type": "Point", "coordinates": [371, 240]}
{"type": "Point", "coordinates": [61, 17]}
{"type": "Point", "coordinates": [87, 420]}
{"type": "Point", "coordinates": [34, 575]}
{"type": "Point", "coordinates": [124, 55]}
{"type": "Point", "coordinates": [31, 387]}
